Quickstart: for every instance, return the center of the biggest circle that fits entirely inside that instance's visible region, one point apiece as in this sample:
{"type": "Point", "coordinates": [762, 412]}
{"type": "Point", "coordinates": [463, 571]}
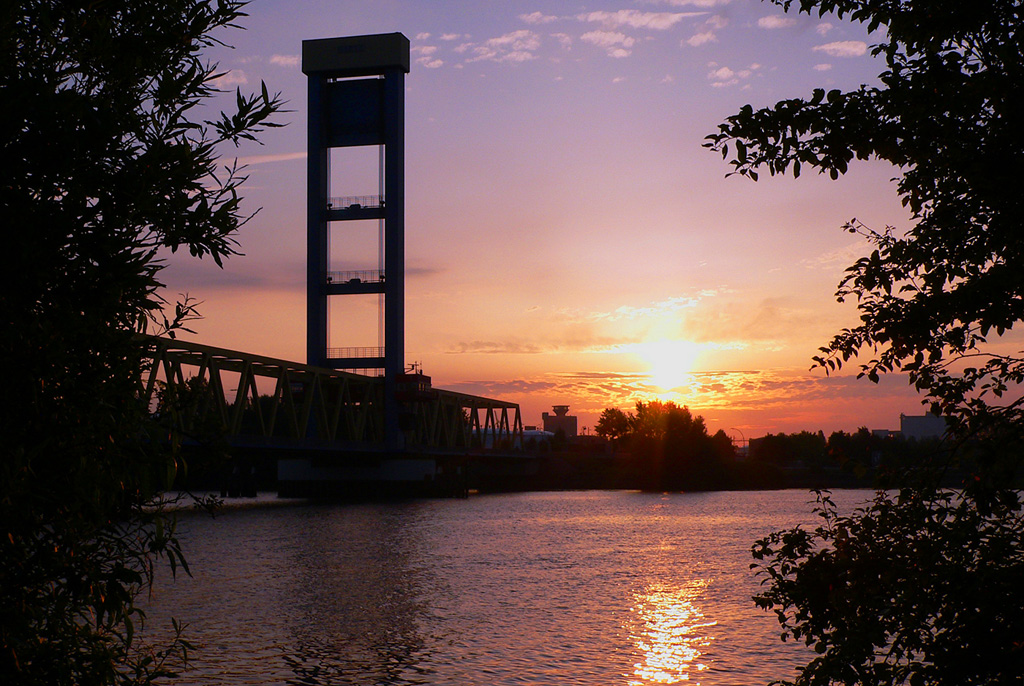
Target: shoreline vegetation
{"type": "Point", "coordinates": [775, 462]}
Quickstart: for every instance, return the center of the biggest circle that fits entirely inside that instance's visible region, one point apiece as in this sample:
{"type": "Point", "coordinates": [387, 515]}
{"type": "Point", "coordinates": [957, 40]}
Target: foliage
{"type": "Point", "coordinates": [787, 449]}
{"type": "Point", "coordinates": [679, 451]}
{"type": "Point", "coordinates": [919, 587]}
{"type": "Point", "coordinates": [914, 588]}
{"type": "Point", "coordinates": [613, 424]}
{"type": "Point", "coordinates": [105, 163]}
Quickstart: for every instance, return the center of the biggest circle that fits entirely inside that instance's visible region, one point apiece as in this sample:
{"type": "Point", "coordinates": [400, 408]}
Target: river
{"type": "Point", "coordinates": [596, 588]}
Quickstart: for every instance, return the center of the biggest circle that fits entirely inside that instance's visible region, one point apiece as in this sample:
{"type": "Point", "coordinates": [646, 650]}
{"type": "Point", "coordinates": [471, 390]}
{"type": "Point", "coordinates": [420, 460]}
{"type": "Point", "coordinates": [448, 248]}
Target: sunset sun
{"type": "Point", "coordinates": [669, 363]}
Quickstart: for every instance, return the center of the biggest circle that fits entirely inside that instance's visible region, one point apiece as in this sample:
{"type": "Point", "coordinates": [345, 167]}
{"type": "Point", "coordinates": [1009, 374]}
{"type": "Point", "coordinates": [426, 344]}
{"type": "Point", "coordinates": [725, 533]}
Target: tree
{"type": "Point", "coordinates": [917, 587]}
{"type": "Point", "coordinates": [675, 444]}
{"type": "Point", "coordinates": [105, 163]}
{"type": "Point", "coordinates": [612, 425]}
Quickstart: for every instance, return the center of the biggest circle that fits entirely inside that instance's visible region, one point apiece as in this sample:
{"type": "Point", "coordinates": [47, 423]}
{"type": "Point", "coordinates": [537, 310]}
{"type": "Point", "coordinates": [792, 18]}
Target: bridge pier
{"type": "Point", "coordinates": [369, 476]}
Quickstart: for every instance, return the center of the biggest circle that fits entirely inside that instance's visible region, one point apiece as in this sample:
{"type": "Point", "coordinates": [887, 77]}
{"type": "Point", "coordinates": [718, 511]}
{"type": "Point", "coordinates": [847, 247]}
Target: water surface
{"type": "Point", "coordinates": [594, 588]}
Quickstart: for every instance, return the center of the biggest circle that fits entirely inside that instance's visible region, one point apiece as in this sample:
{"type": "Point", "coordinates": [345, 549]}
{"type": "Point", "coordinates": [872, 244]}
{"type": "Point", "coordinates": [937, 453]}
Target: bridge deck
{"type": "Point", "coordinates": [215, 392]}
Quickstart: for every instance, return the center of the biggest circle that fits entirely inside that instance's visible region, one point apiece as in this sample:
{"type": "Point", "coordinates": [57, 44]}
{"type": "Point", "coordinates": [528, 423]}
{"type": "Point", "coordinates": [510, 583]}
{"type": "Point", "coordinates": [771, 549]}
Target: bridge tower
{"type": "Point", "coordinates": [356, 98]}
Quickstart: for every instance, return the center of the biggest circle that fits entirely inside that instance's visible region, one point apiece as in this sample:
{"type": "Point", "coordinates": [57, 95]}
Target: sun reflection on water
{"type": "Point", "coordinates": [671, 634]}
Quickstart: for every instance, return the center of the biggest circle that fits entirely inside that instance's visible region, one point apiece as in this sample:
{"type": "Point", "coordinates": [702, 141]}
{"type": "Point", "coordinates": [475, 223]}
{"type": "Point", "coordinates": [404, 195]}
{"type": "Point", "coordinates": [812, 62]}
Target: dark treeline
{"type": "Point", "coordinates": [669, 448]}
{"type": "Point", "coordinates": [664, 446]}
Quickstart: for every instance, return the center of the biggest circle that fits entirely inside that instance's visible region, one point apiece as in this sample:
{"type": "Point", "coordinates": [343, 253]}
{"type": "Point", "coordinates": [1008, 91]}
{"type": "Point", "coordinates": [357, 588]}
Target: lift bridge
{"type": "Point", "coordinates": [326, 427]}
{"type": "Point", "coordinates": [353, 416]}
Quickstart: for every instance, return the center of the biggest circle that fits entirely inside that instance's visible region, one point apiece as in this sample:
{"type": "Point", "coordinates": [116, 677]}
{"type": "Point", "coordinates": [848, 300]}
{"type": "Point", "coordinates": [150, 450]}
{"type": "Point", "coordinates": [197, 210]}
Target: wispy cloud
{"type": "Point", "coordinates": [515, 46]}
{"type": "Point", "coordinates": [725, 77]}
{"type": "Point", "coordinates": [776, 21]}
{"type": "Point", "coordinates": [427, 56]}
{"type": "Point", "coordinates": [537, 18]}
{"type": "Point", "coordinates": [843, 48]}
{"type": "Point", "coordinates": [564, 39]}
{"type": "Point", "coordinates": [837, 259]}
{"type": "Point", "coordinates": [570, 342]}
{"type": "Point", "coordinates": [717, 22]}
{"type": "Point", "coordinates": [285, 60]}
{"type": "Point", "coordinates": [823, 28]}
{"type": "Point", "coordinates": [704, 4]}
{"type": "Point", "coordinates": [702, 38]}
{"type": "Point", "coordinates": [233, 77]}
{"type": "Point", "coordinates": [658, 309]}
{"type": "Point", "coordinates": [496, 348]}
{"type": "Point", "coordinates": [253, 160]}
{"type": "Point", "coordinates": [616, 44]}
{"type": "Point", "coordinates": [711, 27]}
{"type": "Point", "coordinates": [636, 19]}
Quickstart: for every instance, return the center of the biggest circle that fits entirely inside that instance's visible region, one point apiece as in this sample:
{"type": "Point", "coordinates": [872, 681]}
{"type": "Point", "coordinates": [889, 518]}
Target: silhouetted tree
{"type": "Point", "coordinates": [613, 425]}
{"type": "Point", "coordinates": [673, 443]}
{"type": "Point", "coordinates": [923, 585]}
{"type": "Point", "coordinates": [104, 165]}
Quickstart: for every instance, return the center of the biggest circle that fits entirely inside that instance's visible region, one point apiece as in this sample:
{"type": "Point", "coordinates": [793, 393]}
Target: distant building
{"type": "Point", "coordinates": [920, 427]}
{"type": "Point", "coordinates": [560, 420]}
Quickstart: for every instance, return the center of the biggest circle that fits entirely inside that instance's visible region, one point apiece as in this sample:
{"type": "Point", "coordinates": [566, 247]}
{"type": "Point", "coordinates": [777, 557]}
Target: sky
{"type": "Point", "coordinates": [568, 239]}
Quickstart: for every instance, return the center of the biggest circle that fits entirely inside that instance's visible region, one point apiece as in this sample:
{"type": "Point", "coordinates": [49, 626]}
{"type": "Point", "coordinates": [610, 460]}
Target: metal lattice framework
{"type": "Point", "coordinates": [459, 421]}
{"type": "Point", "coordinates": [256, 400]}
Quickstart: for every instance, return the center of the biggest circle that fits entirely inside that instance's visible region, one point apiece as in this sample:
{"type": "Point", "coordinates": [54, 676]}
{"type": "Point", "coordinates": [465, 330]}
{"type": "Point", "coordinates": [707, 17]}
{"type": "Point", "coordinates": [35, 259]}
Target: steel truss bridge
{"type": "Point", "coordinates": [263, 402]}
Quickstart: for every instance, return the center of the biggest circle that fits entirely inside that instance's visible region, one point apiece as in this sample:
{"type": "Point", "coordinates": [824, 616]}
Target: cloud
{"type": "Point", "coordinates": [654, 310]}
{"type": "Point", "coordinates": [724, 77]}
{"type": "Point", "coordinates": [427, 56]}
{"type": "Point", "coordinates": [451, 36]}
{"type": "Point", "coordinates": [717, 22]}
{"type": "Point", "coordinates": [285, 60]}
{"type": "Point", "coordinates": [823, 28]}
{"type": "Point", "coordinates": [706, 4]}
{"type": "Point", "coordinates": [614, 43]}
{"type": "Point", "coordinates": [538, 18]}
{"type": "Point", "coordinates": [581, 342]}
{"type": "Point", "coordinates": [516, 46]}
{"type": "Point", "coordinates": [253, 160]}
{"type": "Point", "coordinates": [776, 21]}
{"type": "Point", "coordinates": [564, 39]}
{"type": "Point", "coordinates": [710, 34]}
{"type": "Point", "coordinates": [496, 348]}
{"type": "Point", "coordinates": [699, 39]}
{"type": "Point", "coordinates": [836, 260]}
{"type": "Point", "coordinates": [821, 67]}
{"type": "Point", "coordinates": [232, 77]}
{"type": "Point", "coordinates": [203, 276]}
{"type": "Point", "coordinates": [636, 19]}
{"type": "Point", "coordinates": [422, 36]}
{"type": "Point", "coordinates": [843, 48]}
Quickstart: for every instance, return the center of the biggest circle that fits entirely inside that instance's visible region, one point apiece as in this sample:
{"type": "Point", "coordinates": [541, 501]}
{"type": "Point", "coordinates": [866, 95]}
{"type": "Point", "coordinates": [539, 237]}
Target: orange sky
{"type": "Point", "coordinates": [568, 239]}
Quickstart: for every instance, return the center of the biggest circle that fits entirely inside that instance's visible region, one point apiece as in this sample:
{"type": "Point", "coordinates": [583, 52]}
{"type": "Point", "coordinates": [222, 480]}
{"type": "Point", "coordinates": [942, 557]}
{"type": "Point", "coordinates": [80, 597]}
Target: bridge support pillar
{"type": "Point", "coordinates": [356, 97]}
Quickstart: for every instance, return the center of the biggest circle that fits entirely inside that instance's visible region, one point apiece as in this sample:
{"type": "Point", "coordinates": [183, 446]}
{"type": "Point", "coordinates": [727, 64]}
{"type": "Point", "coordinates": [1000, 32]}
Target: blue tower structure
{"type": "Point", "coordinates": [356, 97]}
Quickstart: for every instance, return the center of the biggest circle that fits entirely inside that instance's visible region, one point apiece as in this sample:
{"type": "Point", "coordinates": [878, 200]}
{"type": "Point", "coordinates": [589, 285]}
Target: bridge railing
{"type": "Point", "coordinates": [355, 202]}
{"type": "Point", "coordinates": [356, 276]}
{"type": "Point", "coordinates": [459, 421]}
{"type": "Point", "coordinates": [204, 390]}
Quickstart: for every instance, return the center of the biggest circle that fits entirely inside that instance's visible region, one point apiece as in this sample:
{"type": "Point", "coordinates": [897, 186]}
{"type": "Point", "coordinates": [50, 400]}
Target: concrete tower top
{"type": "Point", "coordinates": [355, 55]}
